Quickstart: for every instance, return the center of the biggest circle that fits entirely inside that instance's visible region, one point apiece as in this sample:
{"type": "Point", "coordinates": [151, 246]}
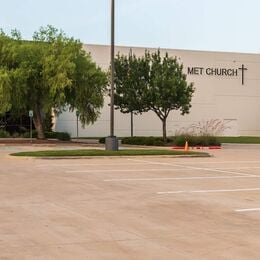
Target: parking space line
{"type": "Point", "coordinates": [237, 168]}
{"type": "Point", "coordinates": [221, 171]}
{"type": "Point", "coordinates": [224, 162]}
{"type": "Point", "coordinates": [247, 210]}
{"type": "Point", "coordinates": [199, 168]}
{"type": "Point", "coordinates": [86, 164]}
{"type": "Point", "coordinates": [179, 178]}
{"type": "Point", "coordinates": [125, 170]}
{"type": "Point", "coordinates": [206, 191]}
{"type": "Point", "coordinates": [150, 162]}
{"type": "Point", "coordinates": [201, 162]}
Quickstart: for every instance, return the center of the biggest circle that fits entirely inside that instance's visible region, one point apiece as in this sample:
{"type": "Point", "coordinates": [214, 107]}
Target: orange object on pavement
{"type": "Point", "coordinates": [186, 147]}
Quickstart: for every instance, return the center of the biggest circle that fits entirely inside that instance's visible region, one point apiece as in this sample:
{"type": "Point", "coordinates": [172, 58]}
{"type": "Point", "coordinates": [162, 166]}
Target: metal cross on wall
{"type": "Point", "coordinates": [243, 68]}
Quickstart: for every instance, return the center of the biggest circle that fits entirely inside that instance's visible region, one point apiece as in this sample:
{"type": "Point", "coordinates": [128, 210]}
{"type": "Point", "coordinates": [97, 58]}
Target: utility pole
{"type": "Point", "coordinates": [111, 141]}
{"type": "Point", "coordinates": [132, 114]}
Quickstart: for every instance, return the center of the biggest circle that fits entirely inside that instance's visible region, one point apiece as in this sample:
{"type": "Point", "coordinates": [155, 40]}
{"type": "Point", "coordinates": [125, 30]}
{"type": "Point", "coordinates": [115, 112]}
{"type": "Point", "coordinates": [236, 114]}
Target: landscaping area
{"type": "Point", "coordinates": [206, 140]}
{"type": "Point", "coordinates": [240, 139]}
{"type": "Point", "coordinates": [173, 141]}
{"type": "Point", "coordinates": [95, 152]}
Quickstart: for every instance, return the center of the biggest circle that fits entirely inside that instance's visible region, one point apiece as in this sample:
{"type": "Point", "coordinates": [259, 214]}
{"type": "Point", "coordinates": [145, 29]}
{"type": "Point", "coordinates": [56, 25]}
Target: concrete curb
{"type": "Point", "coordinates": [111, 157]}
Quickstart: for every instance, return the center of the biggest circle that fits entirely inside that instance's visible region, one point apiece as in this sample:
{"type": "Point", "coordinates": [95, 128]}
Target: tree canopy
{"type": "Point", "coordinates": [131, 77]}
{"type": "Point", "coordinates": [50, 72]}
{"type": "Point", "coordinates": [151, 83]}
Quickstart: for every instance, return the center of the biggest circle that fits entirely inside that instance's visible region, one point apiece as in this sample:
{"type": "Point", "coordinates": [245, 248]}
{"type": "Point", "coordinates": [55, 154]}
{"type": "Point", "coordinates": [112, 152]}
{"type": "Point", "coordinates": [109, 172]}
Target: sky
{"type": "Point", "coordinates": [214, 25]}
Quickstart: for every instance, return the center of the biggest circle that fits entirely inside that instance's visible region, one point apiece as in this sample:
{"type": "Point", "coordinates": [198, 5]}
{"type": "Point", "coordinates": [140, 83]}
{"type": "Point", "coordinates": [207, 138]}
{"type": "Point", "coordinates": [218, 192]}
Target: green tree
{"type": "Point", "coordinates": [152, 83]}
{"type": "Point", "coordinates": [131, 76]}
{"type": "Point", "coordinates": [168, 88]}
{"type": "Point", "coordinates": [50, 72]}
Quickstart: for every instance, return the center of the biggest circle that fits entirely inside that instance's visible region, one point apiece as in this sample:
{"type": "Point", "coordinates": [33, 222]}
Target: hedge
{"type": "Point", "coordinates": [176, 140]}
{"type": "Point", "coordinates": [141, 140]}
{"type": "Point", "coordinates": [63, 136]}
{"type": "Point", "coordinates": [4, 134]}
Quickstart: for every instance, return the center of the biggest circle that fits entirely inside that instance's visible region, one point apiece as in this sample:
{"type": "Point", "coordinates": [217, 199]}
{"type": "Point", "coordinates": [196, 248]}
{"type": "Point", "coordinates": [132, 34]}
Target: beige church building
{"type": "Point", "coordinates": [227, 88]}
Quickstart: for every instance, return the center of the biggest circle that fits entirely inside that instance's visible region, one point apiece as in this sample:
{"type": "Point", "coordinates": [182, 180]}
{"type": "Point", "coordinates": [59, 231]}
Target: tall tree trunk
{"type": "Point", "coordinates": [38, 122]}
{"type": "Point", "coordinates": [164, 130]}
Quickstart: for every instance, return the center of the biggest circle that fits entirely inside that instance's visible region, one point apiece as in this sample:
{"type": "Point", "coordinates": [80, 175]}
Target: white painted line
{"type": "Point", "coordinates": [223, 162]}
{"type": "Point", "coordinates": [247, 210]}
{"type": "Point", "coordinates": [180, 178]}
{"type": "Point", "coordinates": [197, 168]}
{"type": "Point", "coordinates": [206, 191]}
{"type": "Point", "coordinates": [126, 170]}
{"type": "Point", "coordinates": [198, 162]}
{"type": "Point", "coordinates": [236, 168]}
{"type": "Point", "coordinates": [150, 162]}
{"type": "Point", "coordinates": [87, 164]}
{"type": "Point", "coordinates": [220, 171]}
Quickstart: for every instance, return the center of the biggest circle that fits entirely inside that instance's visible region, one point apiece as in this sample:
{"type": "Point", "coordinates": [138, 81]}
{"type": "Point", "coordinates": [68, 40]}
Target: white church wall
{"type": "Point", "coordinates": [216, 96]}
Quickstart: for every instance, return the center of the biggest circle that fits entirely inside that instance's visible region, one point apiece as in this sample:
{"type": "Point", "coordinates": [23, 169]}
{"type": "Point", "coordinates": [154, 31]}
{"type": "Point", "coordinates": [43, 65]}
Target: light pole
{"type": "Point", "coordinates": [132, 114]}
{"type": "Point", "coordinates": [111, 141]}
{"type": "Point", "coordinates": [31, 118]}
{"type": "Point", "coordinates": [77, 115]}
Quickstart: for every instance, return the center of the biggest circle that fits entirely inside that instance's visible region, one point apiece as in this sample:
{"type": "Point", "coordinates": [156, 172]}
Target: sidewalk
{"type": "Point", "coordinates": [48, 142]}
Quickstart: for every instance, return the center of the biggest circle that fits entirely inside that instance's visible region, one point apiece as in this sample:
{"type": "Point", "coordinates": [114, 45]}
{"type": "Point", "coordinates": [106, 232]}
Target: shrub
{"type": "Point", "coordinates": [22, 129]}
{"type": "Point", "coordinates": [16, 135]}
{"type": "Point", "coordinates": [144, 140]}
{"type": "Point", "coordinates": [63, 136]}
{"type": "Point", "coordinates": [196, 140]}
{"type": "Point", "coordinates": [181, 139]}
{"type": "Point", "coordinates": [27, 134]}
{"type": "Point", "coordinates": [201, 133]}
{"type": "Point", "coordinates": [102, 140]}
{"type": "Point", "coordinates": [212, 127]}
{"type": "Point", "coordinates": [51, 135]}
{"type": "Point", "coordinates": [141, 140]}
{"type": "Point", "coordinates": [4, 134]}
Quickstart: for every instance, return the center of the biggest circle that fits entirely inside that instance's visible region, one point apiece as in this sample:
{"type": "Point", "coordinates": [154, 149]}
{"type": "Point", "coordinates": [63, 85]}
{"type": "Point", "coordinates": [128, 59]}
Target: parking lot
{"type": "Point", "coordinates": [131, 207]}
